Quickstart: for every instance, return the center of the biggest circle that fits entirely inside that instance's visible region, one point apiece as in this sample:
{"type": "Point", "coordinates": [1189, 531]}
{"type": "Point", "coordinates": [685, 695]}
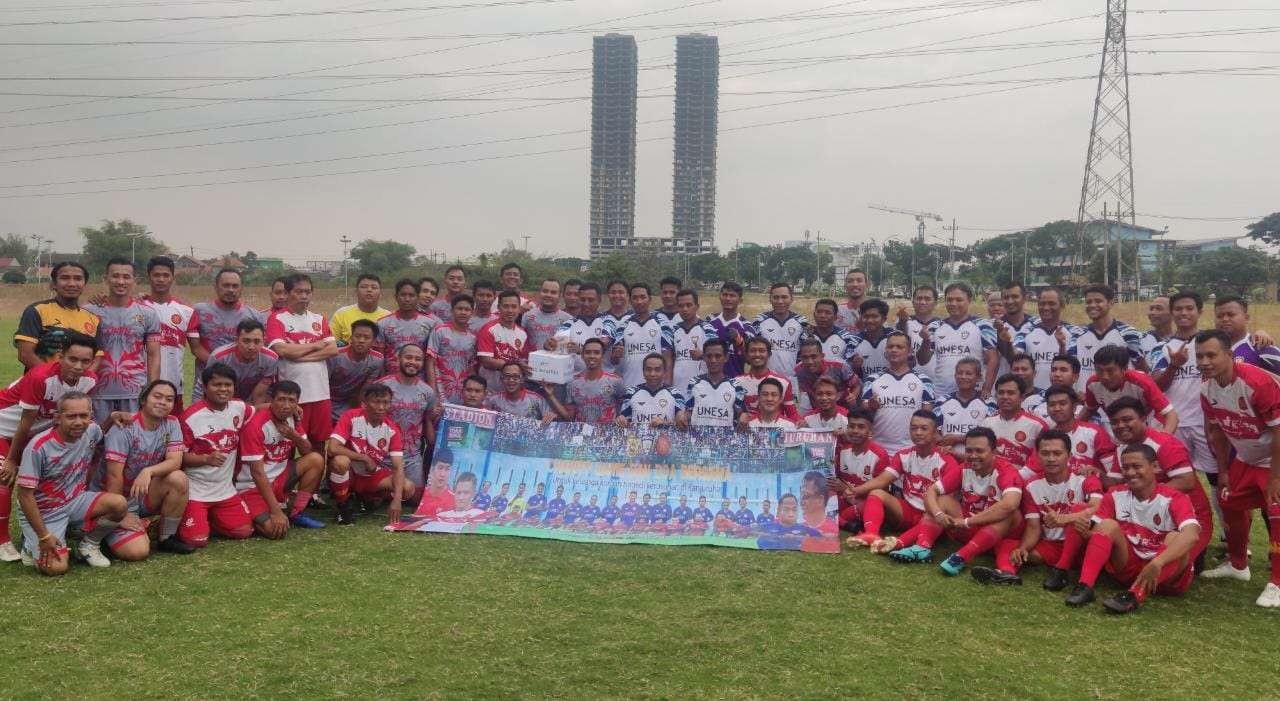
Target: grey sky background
{"type": "Point", "coordinates": [1205, 145]}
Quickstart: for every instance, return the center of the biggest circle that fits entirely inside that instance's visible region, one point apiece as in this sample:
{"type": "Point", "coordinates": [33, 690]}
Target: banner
{"type": "Point", "coordinates": [498, 474]}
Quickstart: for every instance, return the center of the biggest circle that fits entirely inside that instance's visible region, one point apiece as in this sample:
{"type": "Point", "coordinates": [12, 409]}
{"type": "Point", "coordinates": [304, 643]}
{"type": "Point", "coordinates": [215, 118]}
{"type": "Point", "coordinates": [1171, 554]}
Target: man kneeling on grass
{"type": "Point", "coordinates": [366, 456]}
{"type": "Point", "coordinates": [268, 469]}
{"type": "Point", "coordinates": [976, 505]}
{"type": "Point", "coordinates": [1144, 535]}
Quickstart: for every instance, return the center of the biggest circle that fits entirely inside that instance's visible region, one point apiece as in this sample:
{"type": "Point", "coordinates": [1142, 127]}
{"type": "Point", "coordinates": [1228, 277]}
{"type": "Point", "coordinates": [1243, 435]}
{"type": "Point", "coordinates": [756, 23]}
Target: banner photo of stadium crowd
{"type": "Point", "coordinates": [497, 474]}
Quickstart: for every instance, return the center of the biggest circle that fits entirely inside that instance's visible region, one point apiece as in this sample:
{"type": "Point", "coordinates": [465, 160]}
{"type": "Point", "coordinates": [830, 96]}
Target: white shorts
{"type": "Point", "coordinates": [1193, 437]}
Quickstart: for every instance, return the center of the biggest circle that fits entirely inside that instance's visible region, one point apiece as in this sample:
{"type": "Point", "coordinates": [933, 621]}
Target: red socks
{"type": "Point", "coordinates": [929, 532]}
{"type": "Point", "coordinates": [1003, 549]}
{"type": "Point", "coordinates": [1072, 544]}
{"type": "Point", "coordinates": [300, 501]}
{"type": "Point", "coordinates": [6, 508]}
{"type": "Point", "coordinates": [1096, 555]}
{"type": "Point", "coordinates": [982, 540]}
{"type": "Point", "coordinates": [1168, 572]}
{"type": "Point", "coordinates": [340, 485]}
{"type": "Point", "coordinates": [873, 516]}
{"type": "Point", "coordinates": [1237, 523]}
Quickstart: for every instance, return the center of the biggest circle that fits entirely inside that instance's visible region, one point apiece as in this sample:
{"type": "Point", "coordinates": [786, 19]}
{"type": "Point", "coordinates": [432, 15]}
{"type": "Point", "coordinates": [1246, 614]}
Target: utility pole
{"type": "Point", "coordinates": [817, 258]}
{"type": "Point", "coordinates": [526, 238]}
{"type": "Point", "coordinates": [1106, 246]}
{"type": "Point", "coordinates": [951, 265]}
{"type": "Point", "coordinates": [345, 241]}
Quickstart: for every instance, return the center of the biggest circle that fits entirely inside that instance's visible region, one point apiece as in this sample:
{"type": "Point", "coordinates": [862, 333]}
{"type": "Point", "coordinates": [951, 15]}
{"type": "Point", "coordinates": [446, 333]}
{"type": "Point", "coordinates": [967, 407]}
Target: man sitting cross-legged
{"type": "Point", "coordinates": [366, 455]}
{"type": "Point", "coordinates": [268, 469]}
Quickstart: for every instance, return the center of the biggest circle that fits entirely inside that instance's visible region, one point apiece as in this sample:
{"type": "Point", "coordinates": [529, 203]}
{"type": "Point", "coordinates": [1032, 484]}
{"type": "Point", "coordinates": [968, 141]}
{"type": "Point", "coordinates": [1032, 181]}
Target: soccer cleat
{"type": "Point", "coordinates": [987, 575]}
{"type": "Point", "coordinates": [1227, 571]}
{"type": "Point", "coordinates": [345, 515]}
{"type": "Point", "coordinates": [914, 553]}
{"type": "Point", "coordinates": [1056, 580]}
{"type": "Point", "coordinates": [1080, 595]}
{"type": "Point", "coordinates": [862, 540]}
{"type": "Point", "coordinates": [305, 521]}
{"type": "Point", "coordinates": [884, 545]}
{"type": "Point", "coordinates": [174, 544]}
{"type": "Point", "coordinates": [1124, 602]}
{"type": "Point", "coordinates": [28, 559]}
{"type": "Point", "coordinates": [91, 554]}
{"type": "Point", "coordinates": [953, 565]}
{"type": "Point", "coordinates": [8, 553]}
{"type": "Point", "coordinates": [1270, 596]}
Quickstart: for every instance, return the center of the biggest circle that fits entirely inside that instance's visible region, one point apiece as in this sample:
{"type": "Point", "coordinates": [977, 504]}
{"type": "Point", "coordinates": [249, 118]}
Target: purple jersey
{"type": "Point", "coordinates": [57, 471]}
{"type": "Point", "coordinates": [410, 405]}
{"type": "Point", "coordinates": [725, 331]}
{"type": "Point", "coordinates": [1267, 358]}
{"type": "Point", "coordinates": [122, 337]}
{"type": "Point", "coordinates": [454, 353]}
{"type": "Point", "coordinates": [138, 448]}
{"type": "Point", "coordinates": [542, 325]}
{"type": "Point", "coordinates": [249, 374]}
{"type": "Point", "coordinates": [596, 401]}
{"type": "Point", "coordinates": [215, 325]}
{"type": "Point", "coordinates": [527, 405]}
{"type": "Point", "coordinates": [347, 375]}
{"type": "Point", "coordinates": [395, 331]}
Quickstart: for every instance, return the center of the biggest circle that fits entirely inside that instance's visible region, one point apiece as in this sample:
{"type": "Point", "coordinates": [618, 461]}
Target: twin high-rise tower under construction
{"type": "Point", "coordinates": [613, 147]}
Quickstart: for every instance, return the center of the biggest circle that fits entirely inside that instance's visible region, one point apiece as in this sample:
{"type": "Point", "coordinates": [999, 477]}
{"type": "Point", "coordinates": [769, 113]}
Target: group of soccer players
{"type": "Point", "coordinates": [1077, 447]}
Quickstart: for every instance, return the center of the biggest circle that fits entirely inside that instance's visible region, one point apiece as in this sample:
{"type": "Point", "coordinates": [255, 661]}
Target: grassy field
{"type": "Point", "coordinates": [358, 612]}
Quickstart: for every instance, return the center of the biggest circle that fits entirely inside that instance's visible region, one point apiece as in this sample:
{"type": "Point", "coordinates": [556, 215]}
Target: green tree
{"type": "Point", "coordinates": [615, 266]}
{"type": "Point", "coordinates": [1266, 229]}
{"type": "Point", "coordinates": [1231, 270]}
{"type": "Point", "coordinates": [118, 239]}
{"type": "Point", "coordinates": [710, 268]}
{"type": "Point", "coordinates": [15, 246]}
{"type": "Point", "coordinates": [383, 257]}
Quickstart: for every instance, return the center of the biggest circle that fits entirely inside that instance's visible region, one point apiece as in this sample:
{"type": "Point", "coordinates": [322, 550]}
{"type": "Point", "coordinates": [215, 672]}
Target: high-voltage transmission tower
{"type": "Point", "coordinates": [1108, 167]}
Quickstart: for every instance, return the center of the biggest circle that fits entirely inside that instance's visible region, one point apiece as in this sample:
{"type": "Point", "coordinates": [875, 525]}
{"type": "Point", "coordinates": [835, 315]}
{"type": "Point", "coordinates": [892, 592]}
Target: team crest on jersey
{"type": "Point", "coordinates": [137, 319]}
{"type": "Point", "coordinates": [1071, 495]}
{"type": "Point", "coordinates": [728, 396]}
{"type": "Point", "coordinates": [235, 421]}
{"type": "Point", "coordinates": [1244, 406]}
{"type": "Point", "coordinates": [607, 391]}
{"type": "Point", "coordinates": [1155, 518]}
{"type": "Point", "coordinates": [911, 386]}
{"type": "Point", "coordinates": [518, 343]}
{"type": "Point", "coordinates": [653, 333]}
{"type": "Point", "coordinates": [964, 335]}
{"type": "Point", "coordinates": [791, 330]}
{"type": "Point", "coordinates": [175, 319]}
{"type": "Point", "coordinates": [662, 403]}
{"type": "Point", "coordinates": [1020, 436]}
{"type": "Point", "coordinates": [382, 442]}
{"type": "Point", "coordinates": [1081, 447]}
{"type": "Point", "coordinates": [973, 413]}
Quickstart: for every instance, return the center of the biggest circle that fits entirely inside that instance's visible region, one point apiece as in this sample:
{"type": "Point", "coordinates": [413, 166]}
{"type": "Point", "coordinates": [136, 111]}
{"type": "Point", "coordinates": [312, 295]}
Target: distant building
{"type": "Point", "coordinates": [1190, 251]}
{"type": "Point", "coordinates": [693, 199]}
{"type": "Point", "coordinates": [1153, 249]}
{"type": "Point", "coordinates": [613, 143]}
{"type": "Point", "coordinates": [323, 267]}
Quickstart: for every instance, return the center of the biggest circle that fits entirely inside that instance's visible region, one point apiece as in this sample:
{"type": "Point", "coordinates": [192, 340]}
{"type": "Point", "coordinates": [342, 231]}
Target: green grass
{"type": "Point", "coordinates": [356, 611]}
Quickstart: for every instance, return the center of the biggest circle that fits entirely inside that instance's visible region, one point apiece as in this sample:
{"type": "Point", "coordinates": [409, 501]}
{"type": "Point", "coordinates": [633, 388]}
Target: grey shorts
{"type": "Point", "coordinates": [1193, 437]}
{"type": "Point", "coordinates": [413, 469]}
{"type": "Point", "coordinates": [57, 521]}
{"type": "Point", "coordinates": [102, 408]}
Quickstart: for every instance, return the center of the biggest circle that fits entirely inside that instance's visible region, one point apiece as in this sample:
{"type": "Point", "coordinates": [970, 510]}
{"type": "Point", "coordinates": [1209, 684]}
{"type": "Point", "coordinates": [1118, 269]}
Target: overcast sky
{"type": "Point", "coordinates": [1204, 145]}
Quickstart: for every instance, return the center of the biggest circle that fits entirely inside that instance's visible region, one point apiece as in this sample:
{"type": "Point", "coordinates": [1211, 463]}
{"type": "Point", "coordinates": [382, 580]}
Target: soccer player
{"type": "Point", "coordinates": [1022, 367]}
{"type": "Point", "coordinates": [366, 456]}
{"type": "Point", "coordinates": [594, 394]}
{"type": "Point", "coordinates": [572, 302]}
{"type": "Point", "coordinates": [1145, 535]}
{"type": "Point", "coordinates": [895, 395]}
{"type": "Point", "coordinates": [652, 403]}
{"type": "Point", "coordinates": [428, 288]}
{"type": "Point", "coordinates": [1173, 464]}
{"type": "Point", "coordinates": [555, 506]}
{"type": "Point", "coordinates": [455, 283]}
{"type": "Point", "coordinates": [764, 518]}
{"type": "Point", "coordinates": [1159, 313]}
{"type": "Point", "coordinates": [976, 505]}
{"type": "Point", "coordinates": [639, 335]}
{"type": "Point", "coordinates": [511, 277]}
{"type": "Point", "coordinates": [1013, 322]}
{"type": "Point", "coordinates": [1112, 379]}
{"type": "Point", "coordinates": [768, 412]}
{"type": "Point", "coordinates": [484, 311]}
{"type": "Point", "coordinates": [177, 321]}
{"type": "Point", "coordinates": [129, 338]}
{"type": "Point", "coordinates": [688, 334]}
{"type": "Point", "coordinates": [44, 324]}
{"type": "Point", "coordinates": [683, 513]}
{"type": "Point", "coordinates": [279, 297]}
{"type": "Point", "coordinates": [415, 407]}
{"type": "Point", "coordinates": [702, 513]}
{"type": "Point", "coordinates": [1090, 443]}
{"type": "Point", "coordinates": [924, 299]}
{"type": "Point", "coordinates": [451, 351]}
{"type": "Point", "coordinates": [859, 460]}
{"type": "Point", "coordinates": [269, 469]}
{"type": "Point", "coordinates": [849, 316]}
{"type": "Point", "coordinates": [499, 503]}
{"type": "Point", "coordinates": [783, 329]}
{"type": "Point", "coordinates": [868, 349]}
{"type": "Point", "coordinates": [1241, 405]}
{"type": "Point", "coordinates": [1231, 316]}
{"type": "Point", "coordinates": [668, 290]}
{"type": "Point", "coordinates": [1103, 330]}
{"type": "Point", "coordinates": [465, 508]}
{"type": "Point", "coordinates": [995, 305]}
{"type": "Point", "coordinates": [1174, 371]}
{"type": "Point", "coordinates": [543, 321]}
{"type": "Point", "coordinates": [813, 365]}
{"type": "Point", "coordinates": [304, 343]}
{"type": "Point", "coordinates": [1015, 429]}
{"type": "Point", "coordinates": [731, 327]}
{"type": "Point", "coordinates": [368, 294]}
{"type": "Point", "coordinates": [1045, 338]}
{"type": "Point", "coordinates": [502, 340]}
{"type": "Point", "coordinates": [759, 351]}
{"type": "Point", "coordinates": [945, 341]}
{"type": "Point", "coordinates": [1057, 507]}
{"type": "Point", "coordinates": [587, 323]}
{"type": "Point", "coordinates": [827, 416]}
{"type": "Point", "coordinates": [255, 366]}
{"type": "Point", "coordinates": [661, 512]}
{"type": "Point", "coordinates": [514, 399]}
{"type": "Point", "coordinates": [909, 472]}
{"type": "Point", "coordinates": [474, 391]}
{"type": "Point", "coordinates": [212, 433]}
{"type": "Point", "coordinates": [436, 495]}
{"type": "Point", "coordinates": [52, 491]}
{"type": "Point", "coordinates": [403, 326]}
{"type": "Point", "coordinates": [965, 410]}
{"type": "Point", "coordinates": [217, 321]}
{"type": "Point", "coordinates": [744, 516]}
{"type": "Point", "coordinates": [143, 464]}
{"type": "Point", "coordinates": [836, 343]}
{"type": "Point", "coordinates": [712, 399]}
{"type": "Point", "coordinates": [29, 406]}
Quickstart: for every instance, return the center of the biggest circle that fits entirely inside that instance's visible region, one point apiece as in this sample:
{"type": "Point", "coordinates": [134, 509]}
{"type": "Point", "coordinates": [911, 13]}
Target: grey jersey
{"type": "Point", "coordinates": [528, 405]}
{"type": "Point", "coordinates": [216, 325]}
{"type": "Point", "coordinates": [395, 332]}
{"type": "Point", "coordinates": [122, 337]}
{"type": "Point", "coordinates": [347, 375]}
{"type": "Point", "coordinates": [57, 471]}
{"type": "Point", "coordinates": [262, 368]}
{"type": "Point", "coordinates": [410, 405]}
{"type": "Point", "coordinates": [597, 400]}
{"type": "Point", "coordinates": [542, 325]}
{"type": "Point", "coordinates": [137, 448]}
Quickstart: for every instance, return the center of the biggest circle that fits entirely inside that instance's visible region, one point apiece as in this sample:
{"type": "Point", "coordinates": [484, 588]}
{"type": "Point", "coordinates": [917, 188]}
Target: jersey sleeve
{"type": "Point", "coordinates": [625, 409]}
{"type": "Point", "coordinates": [486, 345]}
{"type": "Point", "coordinates": [1090, 401]}
{"type": "Point", "coordinates": [30, 391]}
{"type": "Point", "coordinates": [1020, 341]}
{"type": "Point", "coordinates": [851, 342]}
{"type": "Point", "coordinates": [1183, 512]}
{"type": "Point", "coordinates": [252, 442]}
{"type": "Point", "coordinates": [1106, 510]}
{"type": "Point", "coordinates": [868, 388]}
{"type": "Point", "coordinates": [541, 405]}
{"type": "Point", "coordinates": [988, 333]}
{"type": "Point", "coordinates": [926, 389]}
{"type": "Point", "coordinates": [275, 330]}
{"type": "Point", "coordinates": [396, 447]}
{"type": "Point", "coordinates": [1159, 357]}
{"type": "Point", "coordinates": [668, 342]}
{"type": "Point", "coordinates": [894, 466]}
{"type": "Point", "coordinates": [29, 326]}
{"type": "Point", "coordinates": [116, 446]}
{"type": "Point", "coordinates": [1173, 457]}
{"type": "Point", "coordinates": [1269, 356]}
{"type": "Point", "coordinates": [342, 430]}
{"type": "Point", "coordinates": [1133, 341]}
{"type": "Point", "coordinates": [1157, 400]}
{"type": "Point", "coordinates": [950, 480]}
{"type": "Point", "coordinates": [1030, 509]}
{"type": "Point", "coordinates": [151, 324]}
{"type": "Point", "coordinates": [31, 468]}
{"type": "Point", "coordinates": [739, 398]}
{"type": "Point", "coordinates": [1266, 401]}
{"type": "Point", "coordinates": [1092, 487]}
{"type": "Point", "coordinates": [1009, 481]}
{"type": "Point", "coordinates": [193, 325]}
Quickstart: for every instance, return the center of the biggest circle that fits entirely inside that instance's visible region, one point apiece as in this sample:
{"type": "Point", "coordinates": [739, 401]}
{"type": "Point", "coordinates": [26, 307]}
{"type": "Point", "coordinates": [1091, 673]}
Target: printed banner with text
{"type": "Point", "coordinates": [498, 474]}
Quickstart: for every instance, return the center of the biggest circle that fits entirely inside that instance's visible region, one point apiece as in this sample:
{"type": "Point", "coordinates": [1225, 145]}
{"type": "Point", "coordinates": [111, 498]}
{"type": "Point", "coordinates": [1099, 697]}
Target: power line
{"type": "Point", "coordinates": [1169, 216]}
{"type": "Point", "coordinates": [125, 5]}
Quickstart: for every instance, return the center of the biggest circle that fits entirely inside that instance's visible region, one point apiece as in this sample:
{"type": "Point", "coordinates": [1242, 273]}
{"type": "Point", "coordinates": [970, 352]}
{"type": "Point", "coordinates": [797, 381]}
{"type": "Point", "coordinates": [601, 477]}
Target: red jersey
{"type": "Point", "coordinates": [855, 468]}
{"type": "Point", "coordinates": [431, 504]}
{"type": "Point", "coordinates": [261, 440]}
{"type": "Point", "coordinates": [978, 493]}
{"type": "Point", "coordinates": [1146, 523]}
{"type": "Point", "coordinates": [1016, 437]}
{"type": "Point", "coordinates": [1172, 458]}
{"type": "Point", "coordinates": [1041, 494]}
{"type": "Point", "coordinates": [1136, 384]}
{"type": "Point", "coordinates": [206, 430]}
{"type": "Point", "coordinates": [751, 384]}
{"type": "Point", "coordinates": [914, 472]}
{"type": "Point", "coordinates": [1090, 448]}
{"type": "Point", "coordinates": [38, 390]}
{"type": "Point", "coordinates": [1246, 410]}
{"type": "Point", "coordinates": [381, 442]}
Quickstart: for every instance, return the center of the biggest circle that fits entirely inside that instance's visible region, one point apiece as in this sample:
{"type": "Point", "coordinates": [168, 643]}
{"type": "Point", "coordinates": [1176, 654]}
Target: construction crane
{"type": "Point", "coordinates": [920, 219]}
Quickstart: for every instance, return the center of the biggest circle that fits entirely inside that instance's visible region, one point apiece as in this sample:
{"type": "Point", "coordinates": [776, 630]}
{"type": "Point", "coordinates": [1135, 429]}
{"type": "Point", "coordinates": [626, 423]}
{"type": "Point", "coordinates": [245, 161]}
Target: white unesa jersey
{"type": "Point", "coordinates": [713, 404]}
{"type": "Point", "coordinates": [898, 397]}
{"type": "Point", "coordinates": [1184, 390]}
{"type": "Point", "coordinates": [958, 417]}
{"type": "Point", "coordinates": [685, 339]}
{"type": "Point", "coordinates": [872, 354]}
{"type": "Point", "coordinates": [642, 405]}
{"type": "Point", "coordinates": [785, 337]}
{"type": "Point", "coordinates": [837, 345]}
{"type": "Point", "coordinates": [951, 342]}
{"type": "Point", "coordinates": [639, 340]}
{"type": "Point", "coordinates": [1087, 341]}
{"type": "Point", "coordinates": [1041, 343]}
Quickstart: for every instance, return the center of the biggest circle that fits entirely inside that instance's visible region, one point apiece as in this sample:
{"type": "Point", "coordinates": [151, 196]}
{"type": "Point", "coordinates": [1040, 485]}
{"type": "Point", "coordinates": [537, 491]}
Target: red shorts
{"type": "Point", "coordinates": [1174, 587]}
{"type": "Point", "coordinates": [279, 488]}
{"type": "Point", "coordinates": [228, 518]}
{"type": "Point", "coordinates": [911, 516]}
{"type": "Point", "coordinates": [1050, 551]}
{"type": "Point", "coordinates": [366, 486]}
{"type": "Point", "coordinates": [1246, 487]}
{"type": "Point", "coordinates": [5, 444]}
{"type": "Point", "coordinates": [317, 421]}
{"type": "Point", "coordinates": [850, 513]}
